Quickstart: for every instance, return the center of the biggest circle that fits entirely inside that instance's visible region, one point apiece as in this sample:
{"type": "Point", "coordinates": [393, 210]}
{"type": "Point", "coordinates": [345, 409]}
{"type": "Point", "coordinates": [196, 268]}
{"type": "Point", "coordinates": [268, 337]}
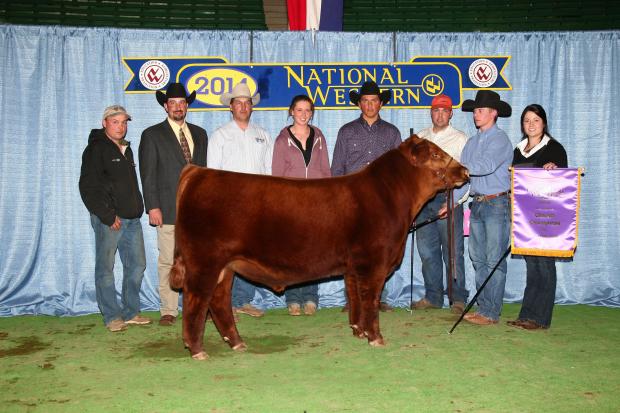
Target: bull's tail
{"type": "Point", "coordinates": [177, 272]}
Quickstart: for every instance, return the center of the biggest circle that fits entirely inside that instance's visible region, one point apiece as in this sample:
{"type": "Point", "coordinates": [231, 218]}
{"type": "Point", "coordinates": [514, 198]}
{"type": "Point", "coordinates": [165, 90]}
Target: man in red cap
{"type": "Point", "coordinates": [433, 242]}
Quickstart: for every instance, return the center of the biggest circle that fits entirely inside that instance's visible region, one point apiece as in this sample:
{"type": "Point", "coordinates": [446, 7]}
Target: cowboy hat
{"type": "Point", "coordinates": [175, 90]}
{"type": "Point", "coordinates": [241, 90]}
{"type": "Point", "coordinates": [488, 99]}
{"type": "Point", "coordinates": [370, 88]}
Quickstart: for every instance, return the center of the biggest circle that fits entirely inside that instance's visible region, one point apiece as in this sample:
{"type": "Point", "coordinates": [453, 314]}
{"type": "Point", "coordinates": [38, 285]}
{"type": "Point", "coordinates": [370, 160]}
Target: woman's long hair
{"type": "Point", "coordinates": [540, 112]}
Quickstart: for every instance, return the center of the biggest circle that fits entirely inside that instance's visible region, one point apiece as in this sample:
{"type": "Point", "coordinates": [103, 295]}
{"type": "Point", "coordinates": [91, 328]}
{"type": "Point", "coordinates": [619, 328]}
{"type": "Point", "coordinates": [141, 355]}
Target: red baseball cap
{"type": "Point", "coordinates": [441, 101]}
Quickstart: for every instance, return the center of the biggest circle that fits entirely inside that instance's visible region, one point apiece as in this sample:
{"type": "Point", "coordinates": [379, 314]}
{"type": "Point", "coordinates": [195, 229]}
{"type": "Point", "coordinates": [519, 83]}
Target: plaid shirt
{"type": "Point", "coordinates": [358, 144]}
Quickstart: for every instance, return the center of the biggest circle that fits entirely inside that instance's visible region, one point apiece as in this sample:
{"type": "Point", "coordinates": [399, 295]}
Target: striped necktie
{"type": "Point", "coordinates": [185, 146]}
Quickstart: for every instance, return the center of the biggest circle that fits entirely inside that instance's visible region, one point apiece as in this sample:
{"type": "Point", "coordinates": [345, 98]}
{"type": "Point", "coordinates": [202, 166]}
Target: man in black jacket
{"type": "Point", "coordinates": [109, 189]}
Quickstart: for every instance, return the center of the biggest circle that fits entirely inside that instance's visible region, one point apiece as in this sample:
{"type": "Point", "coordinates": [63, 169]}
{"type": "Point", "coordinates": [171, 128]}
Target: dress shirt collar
{"type": "Point", "coordinates": [521, 145]}
{"type": "Point", "coordinates": [489, 132]}
{"type": "Point", "coordinates": [365, 124]}
{"type": "Point", "coordinates": [176, 127]}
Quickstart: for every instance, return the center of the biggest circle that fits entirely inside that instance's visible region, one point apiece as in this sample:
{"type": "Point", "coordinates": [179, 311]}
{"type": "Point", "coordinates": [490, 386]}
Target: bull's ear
{"type": "Point", "coordinates": [414, 159]}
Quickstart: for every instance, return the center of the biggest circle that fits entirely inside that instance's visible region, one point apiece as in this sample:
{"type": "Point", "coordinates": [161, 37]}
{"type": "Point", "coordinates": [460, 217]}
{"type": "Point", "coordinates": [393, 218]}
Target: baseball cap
{"type": "Point", "coordinates": [115, 110]}
{"type": "Point", "coordinates": [441, 101]}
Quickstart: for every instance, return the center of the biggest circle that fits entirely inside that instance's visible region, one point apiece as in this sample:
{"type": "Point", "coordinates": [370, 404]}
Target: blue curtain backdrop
{"type": "Point", "coordinates": [56, 81]}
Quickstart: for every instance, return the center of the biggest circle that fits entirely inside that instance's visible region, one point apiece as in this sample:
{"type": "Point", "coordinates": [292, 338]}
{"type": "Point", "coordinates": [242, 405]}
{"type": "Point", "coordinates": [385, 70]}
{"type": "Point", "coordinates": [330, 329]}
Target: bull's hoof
{"type": "Point", "coordinates": [377, 342]}
{"type": "Point", "coordinates": [240, 347]}
{"type": "Point", "coordinates": [200, 356]}
{"type": "Point", "coordinates": [357, 332]}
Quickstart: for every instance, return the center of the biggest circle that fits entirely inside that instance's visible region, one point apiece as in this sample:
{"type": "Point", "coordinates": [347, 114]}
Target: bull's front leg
{"type": "Point", "coordinates": [370, 293]}
{"type": "Point", "coordinates": [353, 298]}
{"type": "Point", "coordinates": [221, 312]}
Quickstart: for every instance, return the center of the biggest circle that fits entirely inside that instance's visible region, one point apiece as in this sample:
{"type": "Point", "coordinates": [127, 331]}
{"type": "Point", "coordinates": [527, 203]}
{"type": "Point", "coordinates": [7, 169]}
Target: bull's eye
{"type": "Point", "coordinates": [435, 155]}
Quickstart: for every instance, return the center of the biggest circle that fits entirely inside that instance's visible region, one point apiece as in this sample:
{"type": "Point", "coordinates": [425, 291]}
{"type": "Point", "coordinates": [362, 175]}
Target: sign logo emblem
{"type": "Point", "coordinates": [432, 84]}
{"type": "Point", "coordinates": [483, 72]}
{"type": "Point", "coordinates": [154, 74]}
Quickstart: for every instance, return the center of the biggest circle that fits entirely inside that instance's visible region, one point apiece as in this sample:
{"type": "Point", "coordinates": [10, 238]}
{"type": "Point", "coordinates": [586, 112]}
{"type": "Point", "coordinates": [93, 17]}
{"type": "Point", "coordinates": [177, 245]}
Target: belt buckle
{"type": "Point", "coordinates": [480, 198]}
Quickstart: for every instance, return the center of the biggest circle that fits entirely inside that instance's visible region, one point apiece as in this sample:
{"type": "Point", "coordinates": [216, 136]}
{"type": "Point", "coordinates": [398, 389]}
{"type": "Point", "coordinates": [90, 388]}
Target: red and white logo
{"type": "Point", "coordinates": [154, 74]}
{"type": "Point", "coordinates": [483, 72]}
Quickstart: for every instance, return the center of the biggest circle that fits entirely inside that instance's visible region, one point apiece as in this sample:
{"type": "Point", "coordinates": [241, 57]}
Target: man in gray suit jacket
{"type": "Point", "coordinates": [165, 149]}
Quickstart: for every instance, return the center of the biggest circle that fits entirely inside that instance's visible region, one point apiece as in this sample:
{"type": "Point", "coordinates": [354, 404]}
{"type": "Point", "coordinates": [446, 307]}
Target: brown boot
{"type": "Point", "coordinates": [423, 304]}
{"type": "Point", "coordinates": [294, 309]}
{"type": "Point", "coordinates": [309, 308]}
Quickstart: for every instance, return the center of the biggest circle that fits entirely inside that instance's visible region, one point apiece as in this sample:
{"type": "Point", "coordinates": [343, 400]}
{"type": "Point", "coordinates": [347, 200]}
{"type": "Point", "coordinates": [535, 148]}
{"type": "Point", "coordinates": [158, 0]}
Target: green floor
{"type": "Point", "coordinates": [314, 364]}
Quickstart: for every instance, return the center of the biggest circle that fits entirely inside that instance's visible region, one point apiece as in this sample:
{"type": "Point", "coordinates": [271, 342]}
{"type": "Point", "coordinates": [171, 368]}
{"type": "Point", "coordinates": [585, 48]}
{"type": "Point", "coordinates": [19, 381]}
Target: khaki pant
{"type": "Point", "coordinates": [168, 298]}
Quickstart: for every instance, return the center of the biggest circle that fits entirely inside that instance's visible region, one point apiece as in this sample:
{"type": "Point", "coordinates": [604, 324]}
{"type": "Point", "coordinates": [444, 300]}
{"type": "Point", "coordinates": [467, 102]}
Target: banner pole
{"type": "Point", "coordinates": [473, 300]}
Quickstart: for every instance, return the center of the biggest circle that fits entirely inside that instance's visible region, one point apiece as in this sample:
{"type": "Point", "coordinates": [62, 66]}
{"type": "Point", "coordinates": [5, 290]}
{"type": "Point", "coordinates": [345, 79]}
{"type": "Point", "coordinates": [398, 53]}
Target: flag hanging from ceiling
{"type": "Point", "coordinates": [324, 15]}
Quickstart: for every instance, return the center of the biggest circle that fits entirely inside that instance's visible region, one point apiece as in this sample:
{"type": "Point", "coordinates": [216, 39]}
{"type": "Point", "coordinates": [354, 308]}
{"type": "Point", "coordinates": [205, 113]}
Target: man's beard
{"type": "Point", "coordinates": [178, 117]}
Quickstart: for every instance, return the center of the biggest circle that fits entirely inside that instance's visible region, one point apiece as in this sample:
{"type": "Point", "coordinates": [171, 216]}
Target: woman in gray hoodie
{"type": "Point", "coordinates": [300, 151]}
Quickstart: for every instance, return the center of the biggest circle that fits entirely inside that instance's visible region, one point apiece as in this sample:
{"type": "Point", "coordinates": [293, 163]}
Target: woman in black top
{"type": "Point", "coordinates": [539, 150]}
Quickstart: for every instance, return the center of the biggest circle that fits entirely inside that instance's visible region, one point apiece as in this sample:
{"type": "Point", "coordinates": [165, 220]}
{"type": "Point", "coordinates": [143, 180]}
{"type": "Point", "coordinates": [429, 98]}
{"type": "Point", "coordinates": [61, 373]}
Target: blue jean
{"type": "Point", "coordinates": [433, 249]}
{"type": "Point", "coordinates": [539, 295]}
{"type": "Point", "coordinates": [489, 237]}
{"type": "Point", "coordinates": [242, 292]}
{"type": "Point", "coordinates": [302, 294]}
{"type": "Point", "coordinates": [129, 242]}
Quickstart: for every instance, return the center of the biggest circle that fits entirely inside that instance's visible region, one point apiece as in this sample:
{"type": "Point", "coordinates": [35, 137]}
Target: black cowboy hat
{"type": "Point", "coordinates": [370, 88]}
{"type": "Point", "coordinates": [175, 90]}
{"type": "Point", "coordinates": [488, 99]}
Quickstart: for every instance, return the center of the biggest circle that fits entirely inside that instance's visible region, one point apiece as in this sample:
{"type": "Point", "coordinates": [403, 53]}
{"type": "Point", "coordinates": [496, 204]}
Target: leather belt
{"type": "Point", "coordinates": [482, 198]}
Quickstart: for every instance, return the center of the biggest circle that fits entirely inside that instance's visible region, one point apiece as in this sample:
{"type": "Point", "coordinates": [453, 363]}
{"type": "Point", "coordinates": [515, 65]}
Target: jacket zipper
{"type": "Point", "coordinates": [302, 154]}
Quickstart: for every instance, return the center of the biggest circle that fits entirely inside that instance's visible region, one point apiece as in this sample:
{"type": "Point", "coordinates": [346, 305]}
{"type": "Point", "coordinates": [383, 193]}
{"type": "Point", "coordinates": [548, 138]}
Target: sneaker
{"type": "Point", "coordinates": [250, 310]}
{"type": "Point", "coordinates": [139, 320]}
{"type": "Point", "coordinates": [294, 309]}
{"type": "Point", "coordinates": [309, 308]}
{"type": "Point", "coordinates": [116, 325]}
{"type": "Point", "coordinates": [423, 304]}
{"type": "Point", "coordinates": [457, 307]}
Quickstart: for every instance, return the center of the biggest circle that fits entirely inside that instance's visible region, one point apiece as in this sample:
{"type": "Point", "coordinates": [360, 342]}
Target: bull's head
{"type": "Point", "coordinates": [446, 171]}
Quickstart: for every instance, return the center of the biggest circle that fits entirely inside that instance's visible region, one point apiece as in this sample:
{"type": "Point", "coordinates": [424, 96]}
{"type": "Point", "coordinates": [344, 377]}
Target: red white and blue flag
{"type": "Point", "coordinates": [324, 15]}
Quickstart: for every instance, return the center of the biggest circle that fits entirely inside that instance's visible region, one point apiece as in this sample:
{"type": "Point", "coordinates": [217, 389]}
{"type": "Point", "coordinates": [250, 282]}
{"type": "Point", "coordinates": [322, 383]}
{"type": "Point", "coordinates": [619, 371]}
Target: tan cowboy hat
{"type": "Point", "coordinates": [241, 90]}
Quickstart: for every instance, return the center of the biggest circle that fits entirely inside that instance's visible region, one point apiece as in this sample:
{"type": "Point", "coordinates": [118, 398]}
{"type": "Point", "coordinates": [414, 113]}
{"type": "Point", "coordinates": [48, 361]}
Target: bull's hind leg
{"type": "Point", "coordinates": [194, 316]}
{"type": "Point", "coordinates": [355, 322]}
{"type": "Point", "coordinates": [221, 311]}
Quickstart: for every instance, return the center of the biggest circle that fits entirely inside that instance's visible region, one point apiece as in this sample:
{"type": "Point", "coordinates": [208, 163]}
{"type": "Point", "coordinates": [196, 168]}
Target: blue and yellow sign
{"type": "Point", "coordinates": [413, 84]}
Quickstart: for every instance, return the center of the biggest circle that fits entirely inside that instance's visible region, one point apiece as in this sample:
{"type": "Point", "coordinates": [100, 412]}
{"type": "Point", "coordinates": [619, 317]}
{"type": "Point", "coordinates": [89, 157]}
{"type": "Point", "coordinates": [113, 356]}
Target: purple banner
{"type": "Point", "coordinates": [545, 211]}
